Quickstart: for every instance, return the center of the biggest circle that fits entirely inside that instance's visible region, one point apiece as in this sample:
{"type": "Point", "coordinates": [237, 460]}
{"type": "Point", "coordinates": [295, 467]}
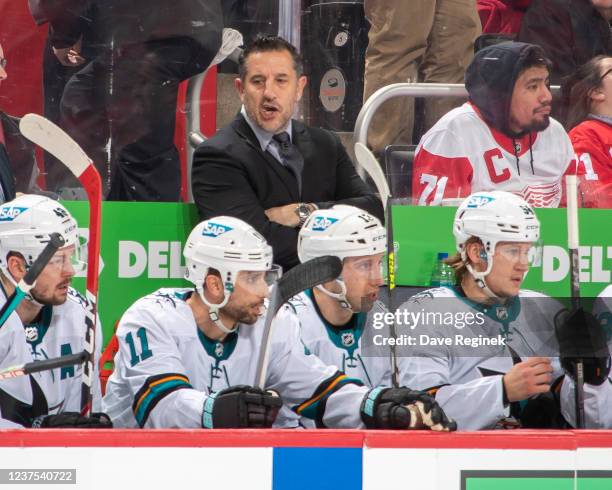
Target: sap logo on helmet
{"type": "Point", "coordinates": [322, 223]}
{"type": "Point", "coordinates": [215, 229]}
{"type": "Point", "coordinates": [479, 201]}
{"type": "Point", "coordinates": [10, 213]}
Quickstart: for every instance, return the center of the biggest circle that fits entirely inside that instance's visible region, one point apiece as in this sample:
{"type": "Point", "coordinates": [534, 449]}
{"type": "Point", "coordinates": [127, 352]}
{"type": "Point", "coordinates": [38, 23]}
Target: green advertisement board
{"type": "Point", "coordinates": [141, 251]}
{"type": "Point", "coordinates": [536, 480]}
{"type": "Point", "coordinates": [142, 244]}
{"type": "Point", "coordinates": [421, 232]}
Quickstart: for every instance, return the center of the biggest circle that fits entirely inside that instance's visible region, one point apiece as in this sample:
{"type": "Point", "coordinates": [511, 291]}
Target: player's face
{"type": "Point", "coordinates": [510, 264]}
{"type": "Point", "coordinates": [363, 277]}
{"type": "Point", "coordinates": [246, 304]}
{"type": "Point", "coordinates": [3, 74]}
{"type": "Point", "coordinates": [270, 89]}
{"type": "Point", "coordinates": [52, 284]}
{"type": "Point", "coordinates": [531, 101]}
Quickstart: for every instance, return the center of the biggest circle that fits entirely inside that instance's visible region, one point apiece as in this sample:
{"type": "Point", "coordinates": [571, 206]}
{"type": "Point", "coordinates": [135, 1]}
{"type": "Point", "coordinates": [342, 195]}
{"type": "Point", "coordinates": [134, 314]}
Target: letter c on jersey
{"type": "Point", "coordinates": [495, 177]}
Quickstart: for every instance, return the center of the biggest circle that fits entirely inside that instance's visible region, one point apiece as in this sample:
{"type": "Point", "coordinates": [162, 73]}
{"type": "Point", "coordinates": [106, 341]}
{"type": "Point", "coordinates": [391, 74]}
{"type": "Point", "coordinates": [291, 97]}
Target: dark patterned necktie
{"type": "Point", "coordinates": [291, 157]}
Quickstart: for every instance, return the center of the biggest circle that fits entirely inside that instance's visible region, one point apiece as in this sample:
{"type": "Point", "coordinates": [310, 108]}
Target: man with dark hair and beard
{"type": "Point", "coordinates": [503, 138]}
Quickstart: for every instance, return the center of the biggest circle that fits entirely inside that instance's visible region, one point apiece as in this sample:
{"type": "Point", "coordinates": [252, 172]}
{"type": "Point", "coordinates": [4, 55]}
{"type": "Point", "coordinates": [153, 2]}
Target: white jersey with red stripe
{"type": "Point", "coordinates": [461, 154]}
{"type": "Point", "coordinates": [592, 140]}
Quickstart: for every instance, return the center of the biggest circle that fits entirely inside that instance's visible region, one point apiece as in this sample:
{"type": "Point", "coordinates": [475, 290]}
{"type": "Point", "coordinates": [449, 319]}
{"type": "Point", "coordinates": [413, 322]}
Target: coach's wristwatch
{"type": "Point", "coordinates": [303, 210]}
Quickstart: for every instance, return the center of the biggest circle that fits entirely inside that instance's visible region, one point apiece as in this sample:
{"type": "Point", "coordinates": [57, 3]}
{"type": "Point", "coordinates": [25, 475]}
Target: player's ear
{"type": "Point", "coordinates": [16, 266]}
{"type": "Point", "coordinates": [214, 286]}
{"type": "Point", "coordinates": [475, 252]}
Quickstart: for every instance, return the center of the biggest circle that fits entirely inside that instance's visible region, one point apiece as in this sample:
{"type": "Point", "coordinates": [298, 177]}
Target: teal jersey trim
{"type": "Point", "coordinates": [219, 350]}
{"type": "Point", "coordinates": [154, 394]}
{"type": "Point", "coordinates": [348, 335]}
{"type": "Point", "coordinates": [36, 331]}
{"type": "Point", "coordinates": [503, 314]}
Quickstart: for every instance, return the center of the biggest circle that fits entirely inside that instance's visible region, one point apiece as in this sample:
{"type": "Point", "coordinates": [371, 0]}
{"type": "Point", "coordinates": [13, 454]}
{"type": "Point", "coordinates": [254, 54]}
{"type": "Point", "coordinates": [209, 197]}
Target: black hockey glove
{"type": "Point", "coordinates": [74, 420]}
{"type": "Point", "coordinates": [241, 407]}
{"type": "Point", "coordinates": [580, 336]}
{"type": "Point", "coordinates": [403, 408]}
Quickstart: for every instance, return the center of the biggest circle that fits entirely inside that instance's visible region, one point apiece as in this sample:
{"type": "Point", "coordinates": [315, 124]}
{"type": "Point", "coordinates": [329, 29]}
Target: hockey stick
{"type": "Point", "coordinates": [28, 281]}
{"type": "Point", "coordinates": [37, 366]}
{"type": "Point", "coordinates": [571, 183]}
{"type": "Point", "coordinates": [56, 142]}
{"type": "Point", "coordinates": [301, 277]}
{"type": "Point", "coordinates": [368, 161]}
{"type": "Point", "coordinates": [391, 286]}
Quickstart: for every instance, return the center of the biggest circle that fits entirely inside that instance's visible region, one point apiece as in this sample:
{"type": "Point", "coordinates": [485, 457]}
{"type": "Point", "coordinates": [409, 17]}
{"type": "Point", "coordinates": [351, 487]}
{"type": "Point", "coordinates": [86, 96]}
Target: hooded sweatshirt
{"type": "Point", "coordinates": [472, 147]}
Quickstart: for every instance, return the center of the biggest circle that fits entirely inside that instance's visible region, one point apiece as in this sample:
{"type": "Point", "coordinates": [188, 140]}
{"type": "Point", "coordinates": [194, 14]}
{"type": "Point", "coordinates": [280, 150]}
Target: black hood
{"type": "Point", "coordinates": [490, 79]}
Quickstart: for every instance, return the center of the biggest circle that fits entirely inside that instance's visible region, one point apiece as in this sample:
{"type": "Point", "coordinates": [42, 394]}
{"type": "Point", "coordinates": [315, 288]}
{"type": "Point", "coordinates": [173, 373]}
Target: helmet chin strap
{"type": "Point", "coordinates": [479, 277]}
{"type": "Point", "coordinates": [339, 297]}
{"type": "Point", "coordinates": [213, 310]}
{"type": "Point", "coordinates": [28, 296]}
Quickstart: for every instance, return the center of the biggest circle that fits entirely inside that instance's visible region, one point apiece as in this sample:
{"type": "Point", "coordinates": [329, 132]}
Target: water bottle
{"type": "Point", "coordinates": [442, 274]}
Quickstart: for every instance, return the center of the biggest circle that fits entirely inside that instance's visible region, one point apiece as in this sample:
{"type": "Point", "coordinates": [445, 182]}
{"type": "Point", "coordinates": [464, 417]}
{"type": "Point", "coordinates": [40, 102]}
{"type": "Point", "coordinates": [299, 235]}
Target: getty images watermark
{"type": "Point", "coordinates": [415, 321]}
{"type": "Point", "coordinates": [427, 325]}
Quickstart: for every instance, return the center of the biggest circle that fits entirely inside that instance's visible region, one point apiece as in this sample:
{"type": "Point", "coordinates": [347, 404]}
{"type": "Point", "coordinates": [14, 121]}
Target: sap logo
{"type": "Point", "coordinates": [479, 201]}
{"type": "Point", "coordinates": [321, 223]}
{"type": "Point", "coordinates": [10, 213]}
{"type": "Point", "coordinates": [160, 260]}
{"type": "Point", "coordinates": [215, 229]}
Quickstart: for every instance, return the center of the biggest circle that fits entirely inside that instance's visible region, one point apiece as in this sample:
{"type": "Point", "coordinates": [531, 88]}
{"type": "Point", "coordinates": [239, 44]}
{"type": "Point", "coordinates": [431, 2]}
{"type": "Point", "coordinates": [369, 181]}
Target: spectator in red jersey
{"type": "Point", "coordinates": [503, 138]}
{"type": "Point", "coordinates": [588, 93]}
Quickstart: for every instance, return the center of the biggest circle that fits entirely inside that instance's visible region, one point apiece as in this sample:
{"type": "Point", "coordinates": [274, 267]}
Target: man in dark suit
{"type": "Point", "coordinates": [268, 169]}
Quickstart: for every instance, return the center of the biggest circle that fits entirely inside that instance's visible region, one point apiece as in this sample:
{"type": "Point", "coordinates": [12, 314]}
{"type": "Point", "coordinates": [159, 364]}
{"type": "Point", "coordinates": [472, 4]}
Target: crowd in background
{"type": "Point", "coordinates": [111, 76]}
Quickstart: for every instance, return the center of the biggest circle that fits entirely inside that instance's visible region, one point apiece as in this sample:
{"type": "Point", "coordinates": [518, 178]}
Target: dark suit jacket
{"type": "Point", "coordinates": [233, 177]}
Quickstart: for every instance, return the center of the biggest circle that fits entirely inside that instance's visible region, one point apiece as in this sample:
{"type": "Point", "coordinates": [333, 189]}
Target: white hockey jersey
{"type": "Point", "coordinates": [340, 347]}
{"type": "Point", "coordinates": [466, 380]}
{"type": "Point", "coordinates": [166, 368]}
{"type": "Point", "coordinates": [461, 154]}
{"type": "Point", "coordinates": [60, 331]}
{"type": "Point", "coordinates": [17, 403]}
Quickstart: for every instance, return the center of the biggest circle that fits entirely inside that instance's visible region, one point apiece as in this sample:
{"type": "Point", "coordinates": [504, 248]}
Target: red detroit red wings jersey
{"type": "Point", "coordinates": [461, 154]}
{"type": "Point", "coordinates": [592, 142]}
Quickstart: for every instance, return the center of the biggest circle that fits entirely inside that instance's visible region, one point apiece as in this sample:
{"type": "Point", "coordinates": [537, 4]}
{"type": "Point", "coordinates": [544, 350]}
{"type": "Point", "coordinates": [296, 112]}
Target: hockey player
{"type": "Point", "coordinates": [17, 404]}
{"type": "Point", "coordinates": [514, 376]}
{"type": "Point", "coordinates": [187, 357]}
{"type": "Point", "coordinates": [52, 316]}
{"type": "Point", "coordinates": [503, 138]}
{"type": "Point", "coordinates": [333, 316]}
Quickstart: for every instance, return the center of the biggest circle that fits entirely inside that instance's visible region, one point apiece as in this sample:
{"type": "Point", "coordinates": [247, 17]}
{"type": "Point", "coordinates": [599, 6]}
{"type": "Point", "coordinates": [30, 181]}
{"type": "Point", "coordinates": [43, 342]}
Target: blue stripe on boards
{"type": "Point", "coordinates": [314, 468]}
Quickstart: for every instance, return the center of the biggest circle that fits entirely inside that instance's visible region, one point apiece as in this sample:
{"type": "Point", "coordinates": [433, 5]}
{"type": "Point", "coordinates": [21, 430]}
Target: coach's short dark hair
{"type": "Point", "coordinates": [264, 44]}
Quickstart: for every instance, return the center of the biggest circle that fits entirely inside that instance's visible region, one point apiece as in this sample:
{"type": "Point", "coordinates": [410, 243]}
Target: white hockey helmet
{"type": "Point", "coordinates": [343, 231]}
{"type": "Point", "coordinates": [228, 245]}
{"type": "Point", "coordinates": [26, 223]}
{"type": "Point", "coordinates": [493, 217]}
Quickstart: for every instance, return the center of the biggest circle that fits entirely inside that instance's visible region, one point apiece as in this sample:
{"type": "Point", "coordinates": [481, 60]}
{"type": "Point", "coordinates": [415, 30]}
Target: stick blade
{"type": "Point", "coordinates": [54, 140]}
{"type": "Point", "coordinates": [308, 275]}
{"type": "Point", "coordinates": [370, 164]}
